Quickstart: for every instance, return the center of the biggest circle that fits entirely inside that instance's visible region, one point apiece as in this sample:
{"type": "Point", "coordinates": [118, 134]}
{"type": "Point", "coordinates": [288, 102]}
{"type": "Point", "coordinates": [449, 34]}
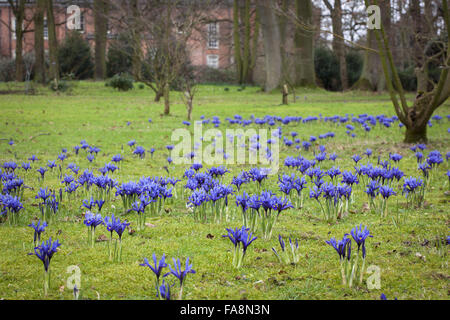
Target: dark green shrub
{"type": "Point", "coordinates": [208, 75]}
{"type": "Point", "coordinates": [408, 78]}
{"type": "Point", "coordinates": [121, 82]}
{"type": "Point", "coordinates": [74, 57]}
{"type": "Point", "coordinates": [119, 55]}
{"type": "Point", "coordinates": [354, 66]}
{"type": "Point", "coordinates": [326, 66]}
{"type": "Point", "coordinates": [7, 70]}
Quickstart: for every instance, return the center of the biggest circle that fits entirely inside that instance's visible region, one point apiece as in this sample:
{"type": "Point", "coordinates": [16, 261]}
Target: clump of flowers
{"type": "Point", "coordinates": [179, 274]}
{"type": "Point", "coordinates": [10, 208]}
{"type": "Point", "coordinates": [38, 229]}
{"type": "Point", "coordinates": [115, 225]}
{"type": "Point", "coordinates": [349, 260]}
{"type": "Point", "coordinates": [239, 237]}
{"type": "Point", "coordinates": [157, 269]}
{"type": "Point", "coordinates": [413, 189]}
{"type": "Point", "coordinates": [45, 252]}
{"type": "Point", "coordinates": [92, 221]}
{"type": "Point", "coordinates": [334, 198]}
{"type": "Point", "coordinates": [287, 256]}
{"type": "Point", "coordinates": [292, 186]}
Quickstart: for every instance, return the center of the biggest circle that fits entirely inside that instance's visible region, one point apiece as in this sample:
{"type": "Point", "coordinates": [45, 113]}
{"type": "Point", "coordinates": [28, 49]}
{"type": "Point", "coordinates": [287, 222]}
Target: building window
{"type": "Point", "coordinates": [213, 35]}
{"type": "Point", "coordinates": [212, 61]}
{"type": "Point", "coordinates": [45, 29]}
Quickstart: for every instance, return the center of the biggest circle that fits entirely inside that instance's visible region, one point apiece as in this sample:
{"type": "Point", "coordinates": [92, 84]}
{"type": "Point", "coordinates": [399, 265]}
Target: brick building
{"type": "Point", "coordinates": [213, 48]}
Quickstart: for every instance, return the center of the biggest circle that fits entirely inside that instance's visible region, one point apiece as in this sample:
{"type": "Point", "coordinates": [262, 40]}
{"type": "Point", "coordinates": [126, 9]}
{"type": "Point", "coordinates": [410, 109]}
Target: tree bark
{"type": "Point", "coordinates": [39, 65]}
{"type": "Point", "coordinates": [52, 43]}
{"type": "Point", "coordinates": [246, 55]}
{"type": "Point", "coordinates": [101, 32]}
{"type": "Point", "coordinates": [304, 44]}
{"type": "Point", "coordinates": [18, 9]}
{"type": "Point", "coordinates": [166, 100]}
{"type": "Point", "coordinates": [136, 64]}
{"type": "Point", "coordinates": [338, 44]}
{"type": "Point", "coordinates": [237, 41]}
{"type": "Point", "coordinates": [271, 39]}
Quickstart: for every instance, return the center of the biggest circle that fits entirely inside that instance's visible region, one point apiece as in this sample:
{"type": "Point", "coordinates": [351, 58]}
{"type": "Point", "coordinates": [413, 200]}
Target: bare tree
{"type": "Point", "coordinates": [39, 66]}
{"type": "Point", "coordinates": [160, 32]}
{"type": "Point", "coordinates": [101, 31]}
{"type": "Point", "coordinates": [416, 117]}
{"type": "Point", "coordinates": [338, 44]}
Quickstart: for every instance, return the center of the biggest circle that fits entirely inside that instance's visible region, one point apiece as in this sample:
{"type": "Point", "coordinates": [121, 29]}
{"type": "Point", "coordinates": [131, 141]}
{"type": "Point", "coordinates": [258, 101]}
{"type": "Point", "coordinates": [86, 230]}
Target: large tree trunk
{"type": "Point", "coordinates": [52, 42]}
{"type": "Point", "coordinates": [338, 42]}
{"type": "Point", "coordinates": [101, 30]}
{"type": "Point", "coordinates": [271, 38]}
{"type": "Point", "coordinates": [136, 58]}
{"type": "Point", "coordinates": [19, 14]}
{"type": "Point", "coordinates": [304, 44]}
{"type": "Point", "coordinates": [237, 41]}
{"type": "Point", "coordinates": [416, 135]}
{"type": "Point", "coordinates": [39, 65]}
{"type": "Point", "coordinates": [246, 56]}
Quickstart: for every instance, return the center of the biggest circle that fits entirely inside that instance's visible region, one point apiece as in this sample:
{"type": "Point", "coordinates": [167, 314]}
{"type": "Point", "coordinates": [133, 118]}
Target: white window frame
{"type": "Point", "coordinates": [216, 35]}
{"type": "Point", "coordinates": [214, 57]}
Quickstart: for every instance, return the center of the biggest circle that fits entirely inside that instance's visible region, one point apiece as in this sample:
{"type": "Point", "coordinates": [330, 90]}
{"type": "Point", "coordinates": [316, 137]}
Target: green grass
{"type": "Point", "coordinates": [44, 123]}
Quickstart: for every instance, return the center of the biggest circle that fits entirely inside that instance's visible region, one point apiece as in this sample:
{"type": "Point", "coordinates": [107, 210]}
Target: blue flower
{"type": "Point", "coordinates": [177, 272]}
{"type": "Point", "coordinates": [140, 151]}
{"type": "Point", "coordinates": [356, 158]}
{"type": "Point", "coordinates": [395, 157]}
{"type": "Point", "coordinates": [38, 229]}
{"type": "Point", "coordinates": [45, 251]}
{"type": "Point", "coordinates": [91, 220]}
{"type": "Point", "coordinates": [33, 158]}
{"type": "Point", "coordinates": [386, 192]}
{"type": "Point", "coordinates": [158, 265]}
{"type": "Point", "coordinates": [164, 291]}
{"type": "Point", "coordinates": [342, 247]}
{"type": "Point", "coordinates": [360, 237]}
{"type": "Point", "coordinates": [42, 171]}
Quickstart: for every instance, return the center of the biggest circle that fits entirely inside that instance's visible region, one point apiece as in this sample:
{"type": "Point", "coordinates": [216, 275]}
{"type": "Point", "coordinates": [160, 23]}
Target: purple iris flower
{"type": "Point", "coordinates": [342, 247]}
{"type": "Point", "coordinates": [157, 265]}
{"type": "Point", "coordinates": [38, 229]}
{"type": "Point", "coordinates": [177, 272]}
{"type": "Point", "coordinates": [45, 251]}
{"type": "Point", "coordinates": [360, 236]}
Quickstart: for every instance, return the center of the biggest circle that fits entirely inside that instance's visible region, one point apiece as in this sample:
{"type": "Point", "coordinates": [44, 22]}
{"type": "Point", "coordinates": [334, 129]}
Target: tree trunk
{"type": "Point", "coordinates": [136, 64]}
{"type": "Point", "coordinates": [166, 100]}
{"type": "Point", "coordinates": [338, 43]}
{"type": "Point", "coordinates": [246, 56]}
{"type": "Point", "coordinates": [304, 44]}
{"type": "Point", "coordinates": [237, 41]}
{"type": "Point", "coordinates": [52, 42]}
{"type": "Point", "coordinates": [39, 65]}
{"type": "Point", "coordinates": [101, 30]}
{"type": "Point", "coordinates": [19, 14]}
{"type": "Point", "coordinates": [271, 38]}
{"type": "Point", "coordinates": [158, 96]}
{"type": "Point", "coordinates": [254, 54]}
{"type": "Point", "coordinates": [416, 134]}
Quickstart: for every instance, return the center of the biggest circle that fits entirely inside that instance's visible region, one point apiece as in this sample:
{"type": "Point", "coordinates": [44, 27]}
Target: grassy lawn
{"type": "Point", "coordinates": [44, 123]}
